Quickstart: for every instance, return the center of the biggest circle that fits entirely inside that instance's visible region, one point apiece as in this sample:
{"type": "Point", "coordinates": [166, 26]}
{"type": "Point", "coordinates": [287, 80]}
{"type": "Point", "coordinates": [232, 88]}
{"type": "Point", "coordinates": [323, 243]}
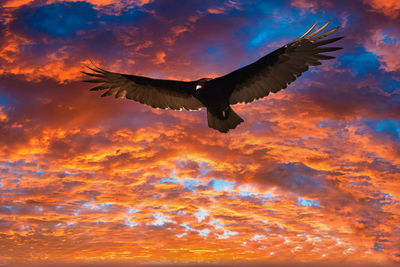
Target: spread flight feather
{"type": "Point", "coordinates": [270, 73]}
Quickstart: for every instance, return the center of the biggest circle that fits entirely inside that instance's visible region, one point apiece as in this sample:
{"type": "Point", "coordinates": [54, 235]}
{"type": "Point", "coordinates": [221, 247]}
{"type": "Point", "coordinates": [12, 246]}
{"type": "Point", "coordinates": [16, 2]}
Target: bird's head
{"type": "Point", "coordinates": [202, 82]}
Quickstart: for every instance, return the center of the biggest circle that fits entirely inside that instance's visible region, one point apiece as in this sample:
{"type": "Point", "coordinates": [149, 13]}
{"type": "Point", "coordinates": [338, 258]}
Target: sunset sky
{"type": "Point", "coordinates": [312, 175]}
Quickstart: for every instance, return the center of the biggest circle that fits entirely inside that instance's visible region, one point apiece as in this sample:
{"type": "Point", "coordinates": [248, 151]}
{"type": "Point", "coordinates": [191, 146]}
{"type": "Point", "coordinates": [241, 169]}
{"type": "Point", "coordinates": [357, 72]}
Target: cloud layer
{"type": "Point", "coordinates": [312, 175]}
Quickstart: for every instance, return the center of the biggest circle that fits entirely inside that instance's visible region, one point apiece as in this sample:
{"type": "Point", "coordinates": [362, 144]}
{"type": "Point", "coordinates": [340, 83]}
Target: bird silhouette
{"type": "Point", "coordinates": [270, 73]}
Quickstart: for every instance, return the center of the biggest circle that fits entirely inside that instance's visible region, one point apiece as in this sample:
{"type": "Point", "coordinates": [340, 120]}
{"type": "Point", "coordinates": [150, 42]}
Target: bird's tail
{"type": "Point", "coordinates": [224, 125]}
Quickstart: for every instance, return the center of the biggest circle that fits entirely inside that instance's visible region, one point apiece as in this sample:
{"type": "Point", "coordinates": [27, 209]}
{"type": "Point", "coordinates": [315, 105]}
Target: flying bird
{"type": "Point", "coordinates": [270, 73]}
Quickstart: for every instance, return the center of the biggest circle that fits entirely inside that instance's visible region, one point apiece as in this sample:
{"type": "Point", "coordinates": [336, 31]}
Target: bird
{"type": "Point", "coordinates": [269, 74]}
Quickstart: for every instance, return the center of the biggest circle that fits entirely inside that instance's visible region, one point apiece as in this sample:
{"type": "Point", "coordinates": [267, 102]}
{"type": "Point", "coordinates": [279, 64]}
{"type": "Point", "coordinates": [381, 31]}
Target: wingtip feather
{"type": "Point", "coordinates": [318, 37]}
{"type": "Point", "coordinates": [97, 69]}
{"type": "Point", "coordinates": [308, 31]}
{"type": "Point", "coordinates": [328, 41]}
{"type": "Point", "coordinates": [106, 94]}
{"type": "Point", "coordinates": [327, 49]}
{"type": "Point", "coordinates": [324, 57]}
{"type": "Point", "coordinates": [98, 88]}
{"type": "Point", "coordinates": [320, 29]}
{"type": "Point", "coordinates": [92, 74]}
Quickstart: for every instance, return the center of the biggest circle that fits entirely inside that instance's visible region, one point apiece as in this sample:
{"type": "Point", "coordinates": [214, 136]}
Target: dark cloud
{"type": "Point", "coordinates": [294, 177]}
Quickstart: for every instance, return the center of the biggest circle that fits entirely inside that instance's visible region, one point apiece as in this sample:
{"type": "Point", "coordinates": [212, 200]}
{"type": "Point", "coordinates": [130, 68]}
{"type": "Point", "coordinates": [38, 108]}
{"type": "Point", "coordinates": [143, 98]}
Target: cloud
{"type": "Point", "coordinates": [100, 3]}
{"type": "Point", "coordinates": [304, 4]}
{"type": "Point", "coordinates": [386, 47]}
{"type": "Point", "coordinates": [388, 7]}
{"type": "Point", "coordinates": [3, 115]}
{"type": "Point", "coordinates": [160, 58]}
{"type": "Point", "coordinates": [310, 176]}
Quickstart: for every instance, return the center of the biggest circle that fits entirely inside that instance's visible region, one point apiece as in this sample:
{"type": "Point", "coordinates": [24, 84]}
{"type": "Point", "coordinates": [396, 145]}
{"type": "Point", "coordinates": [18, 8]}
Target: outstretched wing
{"type": "Point", "coordinates": [278, 69]}
{"type": "Point", "coordinates": [153, 92]}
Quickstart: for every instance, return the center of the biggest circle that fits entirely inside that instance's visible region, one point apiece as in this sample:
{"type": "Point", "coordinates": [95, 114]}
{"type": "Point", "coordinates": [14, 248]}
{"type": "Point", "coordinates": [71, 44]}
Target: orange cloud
{"type": "Point", "coordinates": [216, 10]}
{"type": "Point", "coordinates": [307, 176]}
{"type": "Point", "coordinates": [98, 191]}
{"type": "Point", "coordinates": [390, 8]}
{"type": "Point", "coordinates": [3, 115]}
{"type": "Point", "coordinates": [160, 58]}
{"type": "Point", "coordinates": [228, 5]}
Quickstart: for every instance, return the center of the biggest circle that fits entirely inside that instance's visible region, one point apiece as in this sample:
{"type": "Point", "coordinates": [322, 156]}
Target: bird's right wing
{"type": "Point", "coordinates": [156, 93]}
{"type": "Point", "coordinates": [276, 70]}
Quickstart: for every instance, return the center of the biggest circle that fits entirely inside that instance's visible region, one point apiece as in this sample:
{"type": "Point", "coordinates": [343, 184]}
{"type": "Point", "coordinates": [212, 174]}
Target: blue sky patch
{"type": "Point", "coordinates": [257, 237]}
{"type": "Point", "coordinates": [109, 204]}
{"type": "Point", "coordinates": [216, 224]}
{"type": "Point", "coordinates": [133, 211]}
{"type": "Point", "coordinates": [60, 19]}
{"type": "Point", "coordinates": [220, 185]}
{"type": "Point", "coordinates": [4, 100]}
{"type": "Point", "coordinates": [269, 196]}
{"type": "Point", "coordinates": [307, 203]}
{"type": "Point", "coordinates": [389, 36]}
{"type": "Point", "coordinates": [169, 181]}
{"type": "Point", "coordinates": [230, 233]}
{"type": "Point", "coordinates": [246, 194]}
{"type": "Point", "coordinates": [187, 226]}
{"type": "Point", "coordinates": [161, 220]}
{"type": "Point", "coordinates": [190, 184]}
{"type": "Point", "coordinates": [130, 223]}
{"type": "Point", "coordinates": [389, 84]}
{"type": "Point", "coordinates": [279, 24]}
{"type": "Point", "coordinates": [181, 235]}
{"type": "Point", "coordinates": [386, 199]}
{"type": "Point", "coordinates": [204, 232]}
{"type": "Point", "coordinates": [360, 62]}
{"type": "Point", "coordinates": [201, 215]}
{"type": "Point", "coordinates": [322, 124]}
{"type": "Point", "coordinates": [389, 127]}
{"type": "Point", "coordinates": [204, 167]}
{"type": "Point", "coordinates": [378, 247]}
{"type": "Point", "coordinates": [215, 53]}
{"type": "Point", "coordinates": [213, 49]}
{"type": "Point", "coordinates": [97, 206]}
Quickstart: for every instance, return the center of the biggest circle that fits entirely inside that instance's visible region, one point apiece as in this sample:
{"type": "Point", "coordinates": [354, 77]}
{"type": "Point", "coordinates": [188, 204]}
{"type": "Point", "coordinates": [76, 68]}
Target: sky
{"type": "Point", "coordinates": [312, 175]}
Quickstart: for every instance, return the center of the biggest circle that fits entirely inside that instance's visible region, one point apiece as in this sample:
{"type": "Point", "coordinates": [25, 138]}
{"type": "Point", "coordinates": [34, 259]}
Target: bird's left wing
{"type": "Point", "coordinates": [276, 70]}
{"type": "Point", "coordinates": [156, 93]}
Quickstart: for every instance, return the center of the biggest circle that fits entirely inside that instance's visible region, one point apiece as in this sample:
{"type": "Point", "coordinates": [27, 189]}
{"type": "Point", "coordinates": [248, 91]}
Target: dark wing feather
{"type": "Point", "coordinates": [156, 93]}
{"type": "Point", "coordinates": [276, 70]}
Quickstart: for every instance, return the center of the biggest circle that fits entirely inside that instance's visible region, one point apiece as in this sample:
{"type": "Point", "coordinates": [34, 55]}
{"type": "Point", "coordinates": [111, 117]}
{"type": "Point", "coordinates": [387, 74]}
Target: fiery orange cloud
{"type": "Point", "coordinates": [388, 7]}
{"type": "Point", "coordinates": [3, 115]}
{"type": "Point", "coordinates": [160, 58]}
{"type": "Point", "coordinates": [312, 175]}
{"type": "Point", "coordinates": [246, 222]}
{"type": "Point", "coordinates": [57, 69]}
{"type": "Point", "coordinates": [216, 11]}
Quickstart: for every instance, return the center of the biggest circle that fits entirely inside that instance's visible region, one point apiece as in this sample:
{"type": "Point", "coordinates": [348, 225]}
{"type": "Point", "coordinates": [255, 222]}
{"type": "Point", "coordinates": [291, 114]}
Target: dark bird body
{"type": "Point", "coordinates": [270, 73]}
